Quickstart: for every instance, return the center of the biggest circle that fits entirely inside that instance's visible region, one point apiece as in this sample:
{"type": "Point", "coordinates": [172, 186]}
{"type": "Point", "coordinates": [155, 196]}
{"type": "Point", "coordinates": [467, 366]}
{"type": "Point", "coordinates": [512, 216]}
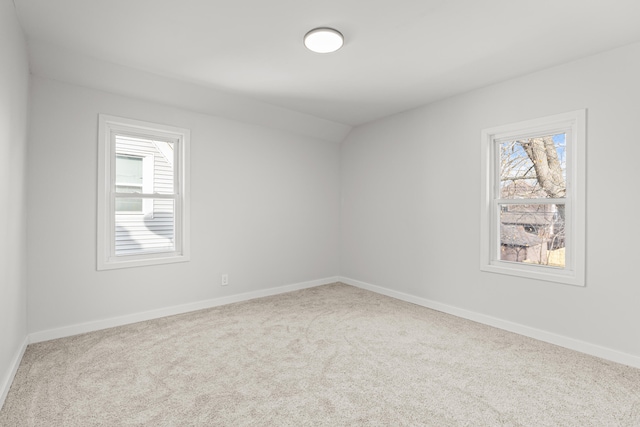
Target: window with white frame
{"type": "Point", "coordinates": [143, 204]}
{"type": "Point", "coordinates": [533, 198]}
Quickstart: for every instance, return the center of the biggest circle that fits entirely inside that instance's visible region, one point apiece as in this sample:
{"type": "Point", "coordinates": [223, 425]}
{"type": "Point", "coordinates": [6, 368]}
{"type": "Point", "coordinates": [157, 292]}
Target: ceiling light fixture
{"type": "Point", "coordinates": [323, 40]}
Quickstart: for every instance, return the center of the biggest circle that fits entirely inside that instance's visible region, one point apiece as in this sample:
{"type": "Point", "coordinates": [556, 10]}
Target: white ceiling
{"type": "Point", "coordinates": [397, 55]}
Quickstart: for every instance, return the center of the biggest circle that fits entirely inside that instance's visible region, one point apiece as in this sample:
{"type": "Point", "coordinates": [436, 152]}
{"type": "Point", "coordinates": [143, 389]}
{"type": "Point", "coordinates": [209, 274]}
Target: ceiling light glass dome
{"type": "Point", "coordinates": [323, 40]}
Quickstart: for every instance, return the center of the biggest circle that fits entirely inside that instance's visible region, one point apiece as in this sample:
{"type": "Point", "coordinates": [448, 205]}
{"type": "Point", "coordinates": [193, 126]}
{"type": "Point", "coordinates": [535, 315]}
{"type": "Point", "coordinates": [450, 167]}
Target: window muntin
{"type": "Point", "coordinates": [143, 204]}
{"type": "Point", "coordinates": [533, 198]}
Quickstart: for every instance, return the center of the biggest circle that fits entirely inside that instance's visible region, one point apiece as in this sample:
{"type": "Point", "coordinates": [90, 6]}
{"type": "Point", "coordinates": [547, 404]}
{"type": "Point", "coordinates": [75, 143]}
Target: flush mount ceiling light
{"type": "Point", "coordinates": [323, 40]}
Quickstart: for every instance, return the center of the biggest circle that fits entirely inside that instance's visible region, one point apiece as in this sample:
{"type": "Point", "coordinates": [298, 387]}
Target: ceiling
{"type": "Point", "coordinates": [397, 54]}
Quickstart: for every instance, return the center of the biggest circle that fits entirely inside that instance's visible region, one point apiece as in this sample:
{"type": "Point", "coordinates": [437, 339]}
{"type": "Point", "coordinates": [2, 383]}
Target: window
{"type": "Point", "coordinates": [143, 204]}
{"type": "Point", "coordinates": [533, 199]}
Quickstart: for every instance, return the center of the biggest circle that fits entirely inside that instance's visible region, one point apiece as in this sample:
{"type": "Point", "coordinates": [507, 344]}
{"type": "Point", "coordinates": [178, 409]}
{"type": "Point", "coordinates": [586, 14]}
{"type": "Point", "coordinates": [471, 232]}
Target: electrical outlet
{"type": "Point", "coordinates": [225, 280]}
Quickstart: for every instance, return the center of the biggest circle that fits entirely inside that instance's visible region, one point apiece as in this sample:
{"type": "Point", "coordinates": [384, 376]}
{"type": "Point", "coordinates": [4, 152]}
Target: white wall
{"type": "Point", "coordinates": [411, 194]}
{"type": "Point", "coordinates": [14, 94]}
{"type": "Point", "coordinates": [264, 209]}
{"type": "Point", "coordinates": [49, 60]}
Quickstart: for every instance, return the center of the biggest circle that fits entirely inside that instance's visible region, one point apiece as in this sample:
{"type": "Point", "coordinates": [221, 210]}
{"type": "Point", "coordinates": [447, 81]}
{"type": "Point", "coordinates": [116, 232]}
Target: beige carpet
{"type": "Point", "coordinates": [333, 355]}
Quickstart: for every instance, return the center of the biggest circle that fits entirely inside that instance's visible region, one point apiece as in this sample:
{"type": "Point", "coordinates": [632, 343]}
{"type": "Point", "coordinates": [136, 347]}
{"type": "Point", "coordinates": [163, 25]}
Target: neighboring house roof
{"type": "Point", "coordinates": [515, 235]}
{"type": "Point", "coordinates": [526, 214]}
{"type": "Point", "coordinates": [517, 219]}
{"type": "Point", "coordinates": [531, 216]}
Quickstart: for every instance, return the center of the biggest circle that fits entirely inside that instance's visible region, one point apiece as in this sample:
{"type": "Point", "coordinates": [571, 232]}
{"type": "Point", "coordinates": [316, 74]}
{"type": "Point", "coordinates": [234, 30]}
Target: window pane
{"type": "Point", "coordinates": [146, 162]}
{"type": "Point", "coordinates": [163, 171]}
{"type": "Point", "coordinates": [533, 234]}
{"type": "Point", "coordinates": [533, 168]}
{"type": "Point", "coordinates": [129, 170]}
{"type": "Point", "coordinates": [128, 205]}
{"type": "Point", "coordinates": [141, 234]}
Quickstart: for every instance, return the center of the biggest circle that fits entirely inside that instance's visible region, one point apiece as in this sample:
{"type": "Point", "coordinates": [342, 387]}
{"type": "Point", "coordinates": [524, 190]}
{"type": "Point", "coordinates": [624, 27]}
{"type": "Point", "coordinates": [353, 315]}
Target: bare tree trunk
{"type": "Point", "coordinates": [543, 154]}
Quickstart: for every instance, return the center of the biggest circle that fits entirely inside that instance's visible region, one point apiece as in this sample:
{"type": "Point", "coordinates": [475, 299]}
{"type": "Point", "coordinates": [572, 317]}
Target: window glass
{"type": "Point", "coordinates": [532, 234]}
{"type": "Point", "coordinates": [134, 235]}
{"type": "Point", "coordinates": [164, 177]}
{"type": "Point", "coordinates": [532, 168]}
{"type": "Point", "coordinates": [129, 171]}
{"type": "Point", "coordinates": [128, 180]}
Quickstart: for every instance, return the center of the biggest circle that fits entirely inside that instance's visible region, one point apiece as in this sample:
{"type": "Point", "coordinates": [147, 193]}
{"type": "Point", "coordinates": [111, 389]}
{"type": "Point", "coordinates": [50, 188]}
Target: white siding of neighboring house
{"type": "Point", "coordinates": [137, 232]}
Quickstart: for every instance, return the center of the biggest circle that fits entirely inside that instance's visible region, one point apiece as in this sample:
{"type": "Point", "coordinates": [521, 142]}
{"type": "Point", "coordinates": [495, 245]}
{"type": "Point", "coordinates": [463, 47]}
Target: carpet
{"type": "Point", "coordinates": [332, 355]}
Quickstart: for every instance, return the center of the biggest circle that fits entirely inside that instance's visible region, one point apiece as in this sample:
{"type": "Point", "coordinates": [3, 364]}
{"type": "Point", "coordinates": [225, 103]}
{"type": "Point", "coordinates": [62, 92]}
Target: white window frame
{"type": "Point", "coordinates": [574, 124]}
{"type": "Point", "coordinates": [108, 127]}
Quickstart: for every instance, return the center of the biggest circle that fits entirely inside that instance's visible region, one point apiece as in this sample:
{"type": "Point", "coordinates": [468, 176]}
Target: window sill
{"type": "Point", "coordinates": [152, 259]}
{"type": "Point", "coordinates": [549, 274]}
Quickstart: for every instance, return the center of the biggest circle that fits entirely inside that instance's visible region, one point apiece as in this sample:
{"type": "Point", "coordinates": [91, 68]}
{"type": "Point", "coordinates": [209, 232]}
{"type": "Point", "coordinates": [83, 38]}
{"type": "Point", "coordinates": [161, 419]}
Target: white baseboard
{"type": "Point", "coordinates": [5, 385]}
{"type": "Point", "coordinates": [81, 328]}
{"type": "Point", "coordinates": [560, 340]}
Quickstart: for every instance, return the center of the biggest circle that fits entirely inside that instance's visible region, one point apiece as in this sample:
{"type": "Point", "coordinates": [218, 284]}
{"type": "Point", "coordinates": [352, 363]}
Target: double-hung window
{"type": "Point", "coordinates": [533, 198]}
{"type": "Point", "coordinates": [143, 189]}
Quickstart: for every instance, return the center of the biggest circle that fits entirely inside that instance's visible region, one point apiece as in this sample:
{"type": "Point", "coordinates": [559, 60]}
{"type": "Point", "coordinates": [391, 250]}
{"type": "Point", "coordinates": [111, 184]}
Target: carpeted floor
{"type": "Point", "coordinates": [334, 355]}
